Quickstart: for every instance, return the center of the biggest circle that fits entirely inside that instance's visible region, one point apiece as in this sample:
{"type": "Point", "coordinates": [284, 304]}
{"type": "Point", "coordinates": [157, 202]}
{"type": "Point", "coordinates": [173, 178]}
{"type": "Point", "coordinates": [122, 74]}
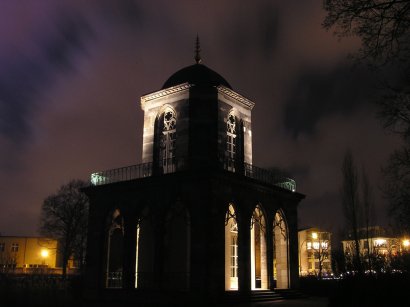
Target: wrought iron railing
{"type": "Point", "coordinates": [122, 174]}
{"type": "Point", "coordinates": [146, 170]}
{"type": "Point", "coordinates": [273, 177]}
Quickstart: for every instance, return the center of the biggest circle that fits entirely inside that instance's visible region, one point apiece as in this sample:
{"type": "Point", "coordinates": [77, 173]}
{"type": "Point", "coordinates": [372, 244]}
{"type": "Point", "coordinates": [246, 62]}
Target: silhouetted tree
{"type": "Point", "coordinates": [321, 249]}
{"type": "Point", "coordinates": [64, 217]}
{"type": "Point", "coordinates": [351, 203]}
{"type": "Point", "coordinates": [368, 211]}
{"type": "Point", "coordinates": [397, 188]}
{"type": "Point", "coordinates": [338, 261]}
{"type": "Point", "coordinates": [383, 27]}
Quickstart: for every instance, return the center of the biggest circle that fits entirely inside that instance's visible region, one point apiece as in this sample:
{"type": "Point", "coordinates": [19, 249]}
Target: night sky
{"type": "Point", "coordinates": [72, 74]}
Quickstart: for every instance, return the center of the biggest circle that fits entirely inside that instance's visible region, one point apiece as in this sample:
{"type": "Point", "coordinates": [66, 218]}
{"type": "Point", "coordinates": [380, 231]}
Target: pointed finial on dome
{"type": "Point", "coordinates": [198, 59]}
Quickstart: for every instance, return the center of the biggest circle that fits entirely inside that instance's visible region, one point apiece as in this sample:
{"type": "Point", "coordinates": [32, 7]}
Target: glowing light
{"type": "Point", "coordinates": [379, 242]}
{"type": "Point", "coordinates": [314, 235]}
{"type": "Point", "coordinates": [406, 242]}
{"type": "Point", "coordinates": [44, 253]}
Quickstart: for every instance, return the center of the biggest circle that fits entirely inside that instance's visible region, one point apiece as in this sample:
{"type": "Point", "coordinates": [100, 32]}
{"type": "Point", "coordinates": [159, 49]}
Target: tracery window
{"type": "Point", "coordinates": [167, 141]}
{"type": "Point", "coordinates": [231, 141]}
{"type": "Point", "coordinates": [114, 252]}
{"type": "Point", "coordinates": [231, 250]}
{"type": "Point", "coordinates": [234, 255]}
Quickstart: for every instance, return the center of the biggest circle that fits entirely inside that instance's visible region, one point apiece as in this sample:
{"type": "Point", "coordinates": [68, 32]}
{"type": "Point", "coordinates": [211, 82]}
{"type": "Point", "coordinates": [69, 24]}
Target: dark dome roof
{"type": "Point", "coordinates": [196, 74]}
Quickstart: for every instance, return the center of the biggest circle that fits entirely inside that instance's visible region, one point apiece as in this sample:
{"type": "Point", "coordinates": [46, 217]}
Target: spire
{"type": "Point", "coordinates": [197, 58]}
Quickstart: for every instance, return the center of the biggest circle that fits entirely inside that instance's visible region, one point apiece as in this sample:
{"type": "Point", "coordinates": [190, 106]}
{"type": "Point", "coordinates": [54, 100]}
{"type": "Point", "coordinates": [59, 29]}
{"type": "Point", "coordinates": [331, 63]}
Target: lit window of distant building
{"type": "Point", "coordinates": [15, 247]}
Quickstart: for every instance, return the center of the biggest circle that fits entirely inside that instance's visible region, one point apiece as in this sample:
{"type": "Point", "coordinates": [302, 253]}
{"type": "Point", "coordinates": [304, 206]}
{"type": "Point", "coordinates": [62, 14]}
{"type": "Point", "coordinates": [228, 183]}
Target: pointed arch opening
{"type": "Point", "coordinates": [165, 141]}
{"type": "Point", "coordinates": [231, 249]}
{"type": "Point", "coordinates": [114, 250]}
{"type": "Point", "coordinates": [177, 248]}
{"type": "Point", "coordinates": [144, 251]}
{"type": "Point", "coordinates": [280, 251]}
{"type": "Point", "coordinates": [234, 153]}
{"type": "Point", "coordinates": [231, 140]}
{"type": "Point", "coordinates": [259, 272]}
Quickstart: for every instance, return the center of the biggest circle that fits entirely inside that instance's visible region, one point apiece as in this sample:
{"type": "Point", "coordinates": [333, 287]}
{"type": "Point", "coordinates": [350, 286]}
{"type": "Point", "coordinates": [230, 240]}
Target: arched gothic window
{"type": "Point", "coordinates": [167, 140]}
{"type": "Point", "coordinates": [231, 128]}
{"type": "Point", "coordinates": [259, 270]}
{"type": "Point", "coordinates": [231, 249]}
{"type": "Point", "coordinates": [280, 255]}
{"type": "Point", "coordinates": [114, 252]}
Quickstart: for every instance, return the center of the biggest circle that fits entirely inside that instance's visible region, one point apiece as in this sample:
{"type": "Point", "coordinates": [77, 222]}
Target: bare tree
{"type": "Point", "coordinates": [321, 249]}
{"type": "Point", "coordinates": [368, 211]}
{"type": "Point", "coordinates": [397, 188]}
{"type": "Point", "coordinates": [383, 27]}
{"type": "Point", "coordinates": [351, 204]}
{"type": "Point", "coordinates": [64, 217]}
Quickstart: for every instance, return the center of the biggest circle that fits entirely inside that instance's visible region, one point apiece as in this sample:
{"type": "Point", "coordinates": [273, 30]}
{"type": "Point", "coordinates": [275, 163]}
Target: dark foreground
{"type": "Point", "coordinates": [380, 291]}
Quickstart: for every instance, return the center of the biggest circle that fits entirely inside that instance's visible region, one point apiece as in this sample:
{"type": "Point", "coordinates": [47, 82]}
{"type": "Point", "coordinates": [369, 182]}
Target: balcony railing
{"type": "Point", "coordinates": [122, 174]}
{"type": "Point", "coordinates": [172, 166]}
{"type": "Point", "coordinates": [272, 177]}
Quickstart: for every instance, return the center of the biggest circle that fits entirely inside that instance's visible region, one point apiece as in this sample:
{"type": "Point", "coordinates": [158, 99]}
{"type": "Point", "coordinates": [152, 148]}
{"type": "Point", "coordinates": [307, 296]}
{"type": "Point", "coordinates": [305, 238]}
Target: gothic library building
{"type": "Point", "coordinates": [196, 218]}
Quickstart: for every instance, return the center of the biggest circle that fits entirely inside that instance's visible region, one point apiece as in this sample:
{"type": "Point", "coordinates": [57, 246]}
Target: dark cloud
{"type": "Point", "coordinates": [18, 83]}
{"type": "Point", "coordinates": [26, 75]}
{"type": "Point", "coordinates": [73, 33]}
{"type": "Point", "coordinates": [315, 95]}
{"type": "Point", "coordinates": [253, 30]}
{"type": "Point", "coordinates": [126, 12]}
{"type": "Point", "coordinates": [268, 23]}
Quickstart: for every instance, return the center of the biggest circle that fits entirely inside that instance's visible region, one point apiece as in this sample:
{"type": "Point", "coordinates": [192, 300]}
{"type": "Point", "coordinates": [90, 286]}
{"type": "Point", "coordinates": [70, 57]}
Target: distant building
{"type": "Point", "coordinates": [378, 241]}
{"type": "Point", "coordinates": [23, 254]}
{"type": "Point", "coordinates": [314, 252]}
{"type": "Point", "coordinates": [19, 254]}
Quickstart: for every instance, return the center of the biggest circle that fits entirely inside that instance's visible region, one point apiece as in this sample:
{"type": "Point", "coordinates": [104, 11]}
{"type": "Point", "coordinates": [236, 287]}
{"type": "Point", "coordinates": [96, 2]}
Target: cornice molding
{"type": "Point", "coordinates": [239, 98]}
{"type": "Point", "coordinates": [184, 86]}
{"type": "Point", "coordinates": [165, 92]}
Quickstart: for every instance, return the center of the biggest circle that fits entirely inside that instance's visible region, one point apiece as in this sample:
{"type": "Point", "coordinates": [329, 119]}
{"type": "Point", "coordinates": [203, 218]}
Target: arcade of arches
{"type": "Point", "coordinates": [267, 245]}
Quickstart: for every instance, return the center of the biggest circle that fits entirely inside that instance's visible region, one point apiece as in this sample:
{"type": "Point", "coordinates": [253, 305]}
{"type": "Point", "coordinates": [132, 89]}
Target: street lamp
{"type": "Point", "coordinates": [406, 243]}
{"type": "Point", "coordinates": [44, 254]}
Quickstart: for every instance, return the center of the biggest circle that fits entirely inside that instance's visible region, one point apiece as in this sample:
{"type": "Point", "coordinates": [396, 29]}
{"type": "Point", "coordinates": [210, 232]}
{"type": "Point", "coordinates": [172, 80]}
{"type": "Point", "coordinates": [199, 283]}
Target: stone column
{"type": "Point", "coordinates": [95, 271]}
{"type": "Point", "coordinates": [244, 243]}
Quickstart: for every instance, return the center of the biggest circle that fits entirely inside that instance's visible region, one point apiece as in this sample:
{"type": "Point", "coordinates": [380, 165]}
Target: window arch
{"type": "Point", "coordinates": [281, 255]}
{"type": "Point", "coordinates": [165, 141]}
{"type": "Point", "coordinates": [231, 249]}
{"type": "Point", "coordinates": [231, 137]}
{"type": "Point", "coordinates": [114, 251]}
{"type": "Point", "coordinates": [176, 242]}
{"type": "Point", "coordinates": [231, 129]}
{"type": "Point", "coordinates": [259, 270]}
{"type": "Point", "coordinates": [144, 250]}
{"type": "Point", "coordinates": [234, 152]}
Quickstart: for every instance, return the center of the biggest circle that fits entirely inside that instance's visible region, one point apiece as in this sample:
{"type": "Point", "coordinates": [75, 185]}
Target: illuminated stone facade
{"type": "Point", "coordinates": [196, 217]}
{"type": "Point", "coordinates": [315, 252]}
